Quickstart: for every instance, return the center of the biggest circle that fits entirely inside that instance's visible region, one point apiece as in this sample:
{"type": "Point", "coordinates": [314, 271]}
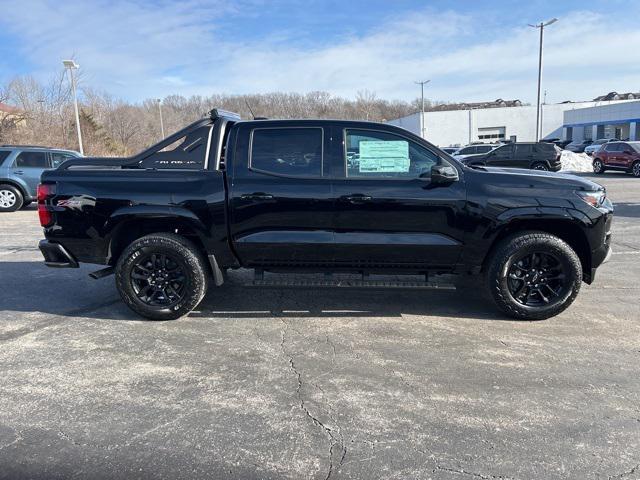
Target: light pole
{"type": "Point", "coordinates": [71, 66]}
{"type": "Point", "coordinates": [422, 84]}
{"type": "Point", "coordinates": [541, 26]}
{"type": "Point", "coordinates": [160, 111]}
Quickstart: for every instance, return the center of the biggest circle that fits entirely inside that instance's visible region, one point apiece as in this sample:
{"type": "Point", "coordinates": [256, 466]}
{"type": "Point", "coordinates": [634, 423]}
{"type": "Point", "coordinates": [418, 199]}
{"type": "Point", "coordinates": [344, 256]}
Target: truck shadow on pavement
{"type": "Point", "coordinates": [30, 287]}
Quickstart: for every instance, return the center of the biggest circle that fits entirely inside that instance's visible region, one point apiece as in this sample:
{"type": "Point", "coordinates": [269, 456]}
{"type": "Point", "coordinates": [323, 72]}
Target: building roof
{"type": "Point", "coordinates": [498, 103]}
{"type": "Point", "coordinates": [617, 96]}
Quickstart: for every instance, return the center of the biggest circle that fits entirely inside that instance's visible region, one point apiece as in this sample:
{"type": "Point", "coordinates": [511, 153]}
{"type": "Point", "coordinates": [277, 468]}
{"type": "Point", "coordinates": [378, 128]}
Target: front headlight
{"type": "Point", "coordinates": [595, 199]}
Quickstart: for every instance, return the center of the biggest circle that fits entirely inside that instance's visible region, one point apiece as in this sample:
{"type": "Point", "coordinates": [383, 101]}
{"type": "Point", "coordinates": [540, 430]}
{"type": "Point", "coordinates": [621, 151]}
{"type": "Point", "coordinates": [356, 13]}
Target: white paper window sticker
{"type": "Point", "coordinates": [383, 156]}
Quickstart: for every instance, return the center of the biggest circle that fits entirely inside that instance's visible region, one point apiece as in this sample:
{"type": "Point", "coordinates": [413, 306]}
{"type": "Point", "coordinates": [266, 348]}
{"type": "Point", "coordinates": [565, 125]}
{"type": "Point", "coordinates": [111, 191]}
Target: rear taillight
{"type": "Point", "coordinates": [44, 193]}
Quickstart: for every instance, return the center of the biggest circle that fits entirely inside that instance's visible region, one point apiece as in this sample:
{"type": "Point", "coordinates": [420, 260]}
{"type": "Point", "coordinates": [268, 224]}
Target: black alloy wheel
{"type": "Point", "coordinates": [537, 279]}
{"type": "Point", "coordinates": [162, 276]}
{"type": "Point", "coordinates": [158, 280]}
{"type": "Point", "coordinates": [533, 275]}
{"type": "Point", "coordinates": [541, 166]}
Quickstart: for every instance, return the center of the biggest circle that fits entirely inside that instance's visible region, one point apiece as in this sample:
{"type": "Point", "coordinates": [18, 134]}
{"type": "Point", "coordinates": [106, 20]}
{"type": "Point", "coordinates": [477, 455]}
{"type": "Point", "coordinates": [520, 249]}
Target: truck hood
{"type": "Point", "coordinates": [537, 178]}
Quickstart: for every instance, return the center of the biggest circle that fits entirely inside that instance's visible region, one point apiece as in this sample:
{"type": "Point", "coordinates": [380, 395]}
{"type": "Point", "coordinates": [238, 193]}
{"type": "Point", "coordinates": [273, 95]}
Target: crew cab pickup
{"type": "Point", "coordinates": [325, 197]}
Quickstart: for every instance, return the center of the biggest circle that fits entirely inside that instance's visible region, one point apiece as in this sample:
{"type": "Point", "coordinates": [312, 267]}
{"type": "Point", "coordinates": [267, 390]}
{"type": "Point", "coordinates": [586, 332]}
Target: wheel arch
{"type": "Point", "coordinates": [568, 230]}
{"type": "Point", "coordinates": [130, 223]}
{"type": "Point", "coordinates": [21, 188]}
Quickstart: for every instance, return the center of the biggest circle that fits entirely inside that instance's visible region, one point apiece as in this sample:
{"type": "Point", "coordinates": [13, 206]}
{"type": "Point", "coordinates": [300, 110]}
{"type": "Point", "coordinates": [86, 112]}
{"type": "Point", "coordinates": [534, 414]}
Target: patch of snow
{"type": "Point", "coordinates": [576, 162]}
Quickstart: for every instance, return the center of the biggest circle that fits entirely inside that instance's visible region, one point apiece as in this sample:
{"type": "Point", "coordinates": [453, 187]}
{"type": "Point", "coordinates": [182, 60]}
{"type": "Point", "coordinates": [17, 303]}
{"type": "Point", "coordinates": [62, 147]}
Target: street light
{"type": "Point", "coordinates": [541, 26]}
{"type": "Point", "coordinates": [160, 110]}
{"type": "Point", "coordinates": [71, 66]}
{"type": "Point", "coordinates": [422, 84]}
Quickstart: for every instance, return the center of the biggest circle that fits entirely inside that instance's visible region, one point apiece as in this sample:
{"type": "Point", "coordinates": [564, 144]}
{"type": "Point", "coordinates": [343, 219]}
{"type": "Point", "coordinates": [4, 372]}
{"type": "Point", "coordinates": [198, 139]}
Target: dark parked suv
{"type": "Point", "coordinates": [624, 156]}
{"type": "Point", "coordinates": [534, 156]}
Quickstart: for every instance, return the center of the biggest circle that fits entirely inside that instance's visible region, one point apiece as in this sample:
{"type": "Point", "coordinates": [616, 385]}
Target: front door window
{"type": "Point", "coordinates": [373, 154]}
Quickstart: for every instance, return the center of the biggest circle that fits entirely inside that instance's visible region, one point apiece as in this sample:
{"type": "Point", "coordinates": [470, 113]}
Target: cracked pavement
{"type": "Point", "coordinates": [317, 383]}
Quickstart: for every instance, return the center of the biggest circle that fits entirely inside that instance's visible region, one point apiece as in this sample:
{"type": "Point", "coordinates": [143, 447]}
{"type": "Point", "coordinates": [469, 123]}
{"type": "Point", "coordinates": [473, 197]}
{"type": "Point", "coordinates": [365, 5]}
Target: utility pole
{"type": "Point", "coordinates": [71, 66]}
{"type": "Point", "coordinates": [422, 84]}
{"type": "Point", "coordinates": [160, 111]}
{"type": "Point", "coordinates": [541, 26]}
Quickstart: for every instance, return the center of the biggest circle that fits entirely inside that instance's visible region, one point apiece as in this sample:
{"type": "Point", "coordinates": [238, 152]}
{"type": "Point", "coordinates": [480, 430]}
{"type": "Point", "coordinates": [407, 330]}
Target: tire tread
{"type": "Point", "coordinates": [505, 249]}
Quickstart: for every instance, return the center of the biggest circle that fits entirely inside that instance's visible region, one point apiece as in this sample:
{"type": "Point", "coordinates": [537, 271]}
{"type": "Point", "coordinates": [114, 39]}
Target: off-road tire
{"type": "Point", "coordinates": [190, 260]}
{"type": "Point", "coordinates": [508, 250]}
{"type": "Point", "coordinates": [598, 166]}
{"type": "Point", "coordinates": [11, 192]}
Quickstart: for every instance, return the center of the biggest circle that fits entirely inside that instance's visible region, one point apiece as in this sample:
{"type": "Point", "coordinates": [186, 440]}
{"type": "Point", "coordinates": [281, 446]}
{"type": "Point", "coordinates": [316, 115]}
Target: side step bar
{"type": "Point", "coordinates": [105, 272]}
{"type": "Point", "coordinates": [329, 282]}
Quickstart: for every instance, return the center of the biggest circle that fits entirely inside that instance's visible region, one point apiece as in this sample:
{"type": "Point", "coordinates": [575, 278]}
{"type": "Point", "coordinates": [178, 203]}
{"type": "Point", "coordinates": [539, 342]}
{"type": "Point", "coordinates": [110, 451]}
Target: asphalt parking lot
{"type": "Point", "coordinates": [277, 383]}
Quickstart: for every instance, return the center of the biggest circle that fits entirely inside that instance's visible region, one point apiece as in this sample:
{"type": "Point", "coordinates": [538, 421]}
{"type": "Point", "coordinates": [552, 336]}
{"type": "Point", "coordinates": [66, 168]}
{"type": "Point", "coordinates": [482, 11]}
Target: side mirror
{"type": "Point", "coordinates": [442, 174]}
{"type": "Point", "coordinates": [628, 152]}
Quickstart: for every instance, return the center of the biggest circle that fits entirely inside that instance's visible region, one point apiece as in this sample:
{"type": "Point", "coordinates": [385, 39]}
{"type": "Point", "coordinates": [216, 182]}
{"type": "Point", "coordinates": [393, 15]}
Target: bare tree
{"type": "Point", "coordinates": [115, 127]}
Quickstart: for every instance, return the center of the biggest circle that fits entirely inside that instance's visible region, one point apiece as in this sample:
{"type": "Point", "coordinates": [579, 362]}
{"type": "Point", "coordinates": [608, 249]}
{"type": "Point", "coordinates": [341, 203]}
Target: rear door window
{"type": "Point", "coordinates": [467, 151]}
{"type": "Point", "coordinates": [614, 147]}
{"type": "Point", "coordinates": [544, 147]}
{"type": "Point", "coordinates": [502, 152]}
{"type": "Point", "coordinates": [292, 151]}
{"type": "Point", "coordinates": [524, 150]}
{"type": "Point", "coordinates": [3, 155]}
{"type": "Point", "coordinates": [58, 157]}
{"type": "Point", "coordinates": [32, 160]}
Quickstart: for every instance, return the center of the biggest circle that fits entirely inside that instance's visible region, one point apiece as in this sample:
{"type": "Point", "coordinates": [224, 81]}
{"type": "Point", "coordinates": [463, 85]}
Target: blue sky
{"type": "Point", "coordinates": [471, 50]}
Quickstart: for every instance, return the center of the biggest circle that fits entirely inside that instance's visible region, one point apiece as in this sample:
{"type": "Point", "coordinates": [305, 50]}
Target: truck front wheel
{"type": "Point", "coordinates": [161, 276]}
{"type": "Point", "coordinates": [533, 275]}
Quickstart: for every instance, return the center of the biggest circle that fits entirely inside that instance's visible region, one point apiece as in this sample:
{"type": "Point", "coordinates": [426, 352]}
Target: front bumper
{"type": "Point", "coordinates": [55, 255]}
{"type": "Point", "coordinates": [600, 255]}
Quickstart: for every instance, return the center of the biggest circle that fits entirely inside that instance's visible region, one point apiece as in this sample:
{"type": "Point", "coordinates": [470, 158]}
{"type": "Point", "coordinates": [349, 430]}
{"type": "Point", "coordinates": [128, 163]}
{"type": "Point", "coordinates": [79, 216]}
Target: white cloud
{"type": "Point", "coordinates": [141, 52]}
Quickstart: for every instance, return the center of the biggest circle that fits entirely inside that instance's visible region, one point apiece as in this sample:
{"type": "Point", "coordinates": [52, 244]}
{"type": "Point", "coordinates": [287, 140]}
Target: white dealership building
{"type": "Point", "coordinates": [491, 122]}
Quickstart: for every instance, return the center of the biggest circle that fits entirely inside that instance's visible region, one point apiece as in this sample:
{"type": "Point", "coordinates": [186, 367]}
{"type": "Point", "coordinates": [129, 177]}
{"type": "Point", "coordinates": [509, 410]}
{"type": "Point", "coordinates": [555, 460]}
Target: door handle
{"type": "Point", "coordinates": [357, 198]}
{"type": "Point", "coordinates": [256, 196]}
{"type": "Point", "coordinates": [18, 172]}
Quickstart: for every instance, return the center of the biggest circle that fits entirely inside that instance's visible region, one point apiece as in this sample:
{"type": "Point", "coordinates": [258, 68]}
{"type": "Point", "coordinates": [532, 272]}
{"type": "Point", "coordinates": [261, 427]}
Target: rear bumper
{"type": "Point", "coordinates": [55, 255]}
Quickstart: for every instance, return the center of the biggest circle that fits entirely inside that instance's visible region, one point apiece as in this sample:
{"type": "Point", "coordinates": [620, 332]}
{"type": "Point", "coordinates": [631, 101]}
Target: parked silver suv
{"type": "Point", "coordinates": [20, 170]}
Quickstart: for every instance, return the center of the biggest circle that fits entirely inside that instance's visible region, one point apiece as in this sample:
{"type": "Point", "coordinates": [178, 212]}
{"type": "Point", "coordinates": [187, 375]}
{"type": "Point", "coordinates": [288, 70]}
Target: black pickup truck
{"type": "Point", "coordinates": [325, 197]}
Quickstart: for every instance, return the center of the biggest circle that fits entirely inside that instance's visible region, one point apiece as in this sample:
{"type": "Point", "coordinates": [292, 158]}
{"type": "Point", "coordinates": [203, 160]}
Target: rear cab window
{"type": "Point", "coordinates": [287, 151]}
{"type": "Point", "coordinates": [378, 154]}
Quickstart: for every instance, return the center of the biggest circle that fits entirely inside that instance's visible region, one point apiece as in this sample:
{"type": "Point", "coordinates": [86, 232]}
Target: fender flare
{"type": "Point", "coordinates": [123, 216]}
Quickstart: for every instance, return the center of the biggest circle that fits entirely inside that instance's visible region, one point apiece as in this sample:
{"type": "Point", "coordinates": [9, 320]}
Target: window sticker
{"type": "Point", "coordinates": [384, 156]}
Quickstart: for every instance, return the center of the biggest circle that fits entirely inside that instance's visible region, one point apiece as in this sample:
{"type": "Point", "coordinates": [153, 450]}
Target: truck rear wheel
{"type": "Point", "coordinates": [162, 276]}
{"type": "Point", "coordinates": [533, 275]}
